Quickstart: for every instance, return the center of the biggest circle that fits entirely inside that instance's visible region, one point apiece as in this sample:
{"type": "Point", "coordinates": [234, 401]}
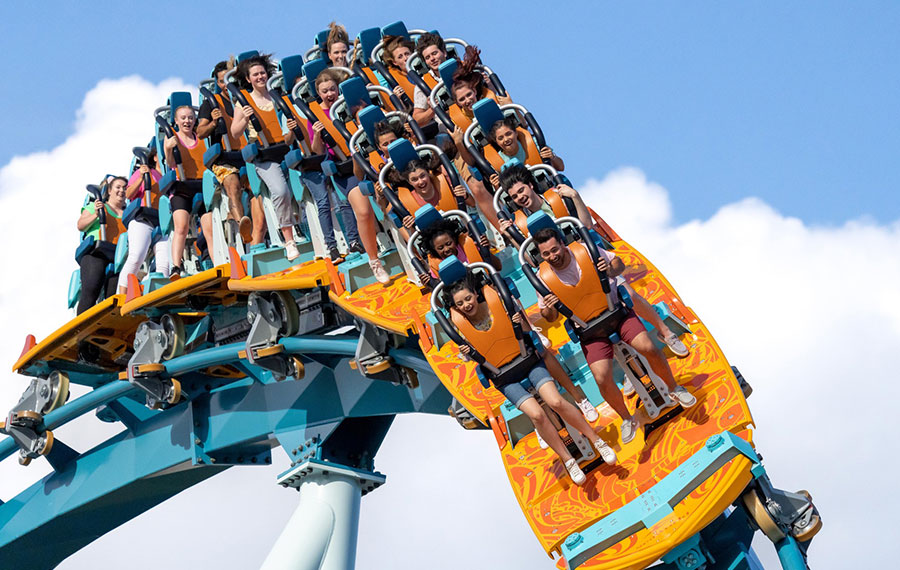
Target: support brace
{"type": "Point", "coordinates": [153, 343]}
{"type": "Point", "coordinates": [373, 361]}
{"type": "Point", "coordinates": [25, 421]}
{"type": "Point", "coordinates": [273, 315]}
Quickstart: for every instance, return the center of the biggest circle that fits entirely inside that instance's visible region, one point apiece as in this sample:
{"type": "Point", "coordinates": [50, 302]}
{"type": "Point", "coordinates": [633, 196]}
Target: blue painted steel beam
{"type": "Point", "coordinates": [195, 361]}
{"type": "Point", "coordinates": [137, 469]}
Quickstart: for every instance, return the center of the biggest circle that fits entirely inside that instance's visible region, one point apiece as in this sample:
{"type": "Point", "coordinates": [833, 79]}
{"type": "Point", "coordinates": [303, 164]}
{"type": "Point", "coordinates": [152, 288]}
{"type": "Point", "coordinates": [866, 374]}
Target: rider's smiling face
{"type": "Point", "coordinates": [554, 253]}
{"type": "Point", "coordinates": [466, 302]}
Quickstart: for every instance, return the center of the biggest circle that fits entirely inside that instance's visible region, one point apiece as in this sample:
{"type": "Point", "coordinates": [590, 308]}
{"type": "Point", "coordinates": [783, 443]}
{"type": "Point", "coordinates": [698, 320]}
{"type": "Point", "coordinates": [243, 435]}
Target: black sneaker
{"type": "Point", "coordinates": [335, 255]}
{"type": "Point", "coordinates": [356, 247]}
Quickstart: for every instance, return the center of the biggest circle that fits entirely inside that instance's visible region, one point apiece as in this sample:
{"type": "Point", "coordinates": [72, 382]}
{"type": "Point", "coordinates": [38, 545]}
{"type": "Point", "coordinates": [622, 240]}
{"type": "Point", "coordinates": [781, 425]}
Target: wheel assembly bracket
{"type": "Point", "coordinates": [272, 316]}
{"type": "Point", "coordinates": [153, 343]}
{"type": "Point", "coordinates": [25, 421]}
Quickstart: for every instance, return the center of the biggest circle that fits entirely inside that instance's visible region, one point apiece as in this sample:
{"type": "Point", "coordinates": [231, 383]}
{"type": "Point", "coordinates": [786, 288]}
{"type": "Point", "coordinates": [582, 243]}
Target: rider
{"type": "Point", "coordinates": [182, 195]}
{"type": "Point", "coordinates": [520, 185]}
{"type": "Point", "coordinates": [254, 72]}
{"type": "Point", "coordinates": [93, 264]}
{"type": "Point", "coordinates": [598, 352]}
{"type": "Point", "coordinates": [337, 44]}
{"type": "Point", "coordinates": [465, 302]}
{"type": "Point", "coordinates": [140, 233]}
{"type": "Point", "coordinates": [508, 140]}
{"type": "Point", "coordinates": [326, 85]}
{"type": "Point", "coordinates": [431, 49]}
{"type": "Point", "coordinates": [227, 169]}
{"type": "Point", "coordinates": [396, 50]}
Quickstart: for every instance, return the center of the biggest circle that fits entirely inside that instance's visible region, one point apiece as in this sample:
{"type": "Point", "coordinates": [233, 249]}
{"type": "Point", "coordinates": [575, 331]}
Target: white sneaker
{"type": "Point", "coordinates": [290, 249]}
{"type": "Point", "coordinates": [605, 451]}
{"type": "Point", "coordinates": [683, 397]}
{"type": "Point", "coordinates": [627, 387]}
{"type": "Point", "coordinates": [588, 409]}
{"type": "Point", "coordinates": [541, 441]}
{"type": "Point", "coordinates": [378, 271]}
{"type": "Point", "coordinates": [575, 472]}
{"type": "Point", "coordinates": [674, 343]}
{"type": "Point", "coordinates": [629, 428]}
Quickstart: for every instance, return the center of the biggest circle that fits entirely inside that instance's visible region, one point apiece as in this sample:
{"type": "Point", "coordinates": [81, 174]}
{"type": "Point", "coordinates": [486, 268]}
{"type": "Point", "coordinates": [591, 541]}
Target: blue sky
{"type": "Point", "coordinates": [795, 103]}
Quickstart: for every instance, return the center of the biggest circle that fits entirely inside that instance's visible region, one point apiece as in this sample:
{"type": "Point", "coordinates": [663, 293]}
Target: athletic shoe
{"type": "Point", "coordinates": [378, 271]}
{"type": "Point", "coordinates": [605, 451]}
{"type": "Point", "coordinates": [356, 247]}
{"type": "Point", "coordinates": [245, 228]}
{"type": "Point", "coordinates": [674, 343]}
{"type": "Point", "coordinates": [683, 397]}
{"type": "Point", "coordinates": [541, 441]}
{"type": "Point", "coordinates": [588, 409]}
{"type": "Point", "coordinates": [627, 387]}
{"type": "Point", "coordinates": [629, 428]}
{"type": "Point", "coordinates": [575, 472]}
{"type": "Point", "coordinates": [290, 248]}
{"type": "Point", "coordinates": [335, 255]}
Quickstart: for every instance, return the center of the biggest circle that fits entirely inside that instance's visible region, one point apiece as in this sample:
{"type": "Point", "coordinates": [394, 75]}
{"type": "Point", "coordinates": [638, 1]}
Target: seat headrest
{"type": "Point", "coordinates": [291, 68]}
{"type": "Point", "coordinates": [426, 216]}
{"type": "Point", "coordinates": [367, 119]}
{"type": "Point", "coordinates": [398, 28]}
{"type": "Point", "coordinates": [538, 221]}
{"type": "Point", "coordinates": [176, 100]}
{"type": "Point", "coordinates": [321, 39]}
{"type": "Point", "coordinates": [446, 71]}
{"type": "Point", "coordinates": [511, 162]}
{"type": "Point", "coordinates": [368, 39]}
{"type": "Point", "coordinates": [451, 270]}
{"type": "Point", "coordinates": [487, 112]}
{"type": "Point", "coordinates": [247, 55]}
{"type": "Point", "coordinates": [312, 69]}
{"type": "Point", "coordinates": [354, 92]}
{"type": "Point", "coordinates": [402, 153]}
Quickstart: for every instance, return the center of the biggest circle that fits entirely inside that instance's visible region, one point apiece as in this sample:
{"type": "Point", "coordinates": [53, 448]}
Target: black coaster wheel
{"type": "Point", "coordinates": [288, 311]}
{"type": "Point", "coordinates": [173, 326]}
{"type": "Point", "coordinates": [760, 515]}
{"type": "Point", "coordinates": [57, 386]}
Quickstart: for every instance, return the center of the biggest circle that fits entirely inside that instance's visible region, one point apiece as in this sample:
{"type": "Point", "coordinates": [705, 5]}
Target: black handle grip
{"type": "Point", "coordinates": [286, 110]}
{"type": "Point", "coordinates": [538, 133]}
{"type": "Point", "coordinates": [361, 161]}
{"type": "Point", "coordinates": [476, 235]}
{"type": "Point", "coordinates": [453, 179]}
{"type": "Point", "coordinates": [239, 97]}
{"type": "Point", "coordinates": [220, 123]}
{"type": "Point", "coordinates": [97, 193]}
{"type": "Point", "coordinates": [311, 117]}
{"type": "Point", "coordinates": [456, 337]}
{"type": "Point", "coordinates": [444, 118]}
{"type": "Point", "coordinates": [169, 132]}
{"type": "Point", "coordinates": [513, 232]}
{"type": "Point", "coordinates": [497, 85]}
{"type": "Point", "coordinates": [395, 203]}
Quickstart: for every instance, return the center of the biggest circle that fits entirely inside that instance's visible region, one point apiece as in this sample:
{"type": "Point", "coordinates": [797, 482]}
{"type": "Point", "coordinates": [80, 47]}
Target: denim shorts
{"type": "Point", "coordinates": [517, 392]}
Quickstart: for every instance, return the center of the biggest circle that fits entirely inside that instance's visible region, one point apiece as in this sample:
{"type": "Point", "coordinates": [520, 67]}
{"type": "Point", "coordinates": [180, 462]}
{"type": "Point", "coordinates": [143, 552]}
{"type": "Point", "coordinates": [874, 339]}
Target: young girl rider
{"type": "Point", "coordinates": [254, 73]}
{"type": "Point", "coordinates": [464, 300]}
{"type": "Point", "coordinates": [504, 135]}
{"type": "Point", "coordinates": [191, 149]}
{"type": "Point", "coordinates": [420, 177]}
{"type": "Point", "coordinates": [326, 85]}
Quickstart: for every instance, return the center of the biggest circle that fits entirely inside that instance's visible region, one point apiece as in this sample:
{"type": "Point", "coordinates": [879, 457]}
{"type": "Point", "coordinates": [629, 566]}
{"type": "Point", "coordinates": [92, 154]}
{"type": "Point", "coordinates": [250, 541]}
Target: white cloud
{"type": "Point", "coordinates": [807, 313]}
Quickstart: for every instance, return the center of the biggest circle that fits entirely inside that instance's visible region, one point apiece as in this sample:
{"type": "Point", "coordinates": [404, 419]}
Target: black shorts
{"type": "Point", "coordinates": [182, 198]}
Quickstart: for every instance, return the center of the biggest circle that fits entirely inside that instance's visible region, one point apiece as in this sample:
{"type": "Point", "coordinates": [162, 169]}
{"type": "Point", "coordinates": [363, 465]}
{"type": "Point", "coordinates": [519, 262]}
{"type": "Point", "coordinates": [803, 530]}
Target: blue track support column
{"type": "Point", "coordinates": [790, 555]}
{"type": "Point", "coordinates": [322, 532]}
